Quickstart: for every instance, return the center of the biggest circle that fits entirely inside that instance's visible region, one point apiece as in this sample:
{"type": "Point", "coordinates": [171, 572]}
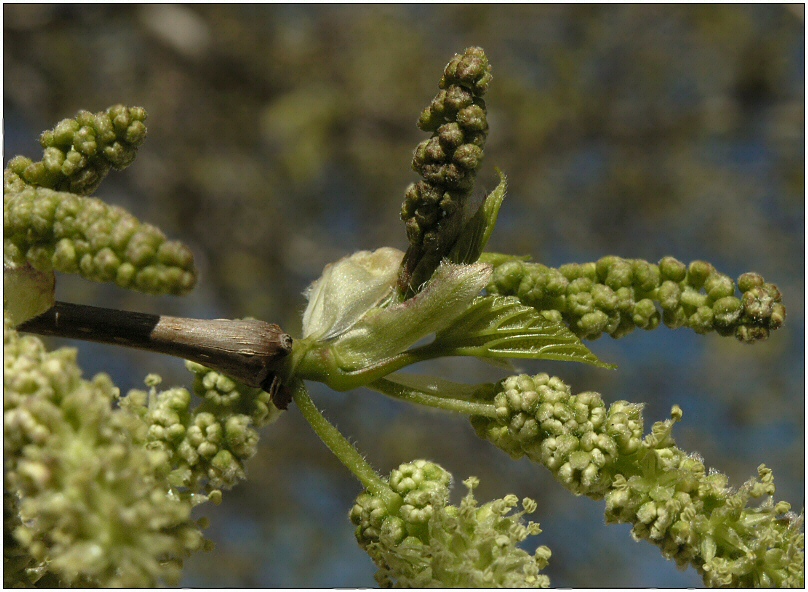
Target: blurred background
{"type": "Point", "coordinates": [280, 139]}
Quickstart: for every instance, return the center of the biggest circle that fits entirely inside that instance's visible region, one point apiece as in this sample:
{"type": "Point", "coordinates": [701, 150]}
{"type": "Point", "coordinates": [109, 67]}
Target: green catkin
{"type": "Point", "coordinates": [206, 446]}
{"type": "Point", "coordinates": [616, 295]}
{"type": "Point", "coordinates": [102, 496]}
{"type": "Point", "coordinates": [425, 542]}
{"type": "Point", "coordinates": [668, 496]}
{"type": "Point", "coordinates": [68, 233]}
{"type": "Point", "coordinates": [79, 152]}
{"type": "Point", "coordinates": [48, 221]}
{"type": "Point", "coordinates": [434, 209]}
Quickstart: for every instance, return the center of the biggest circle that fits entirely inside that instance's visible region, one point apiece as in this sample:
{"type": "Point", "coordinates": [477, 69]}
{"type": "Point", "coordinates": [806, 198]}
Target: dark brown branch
{"type": "Point", "coordinates": [251, 351]}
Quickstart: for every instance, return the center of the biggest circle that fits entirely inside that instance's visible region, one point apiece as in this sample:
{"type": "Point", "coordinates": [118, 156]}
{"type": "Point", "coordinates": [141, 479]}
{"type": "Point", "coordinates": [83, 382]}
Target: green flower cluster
{"type": "Point", "coordinates": [616, 295]}
{"type": "Point", "coordinates": [434, 209]}
{"type": "Point", "coordinates": [53, 229]}
{"type": "Point", "coordinates": [85, 503]}
{"type": "Point", "coordinates": [204, 447]}
{"type": "Point", "coordinates": [64, 232]}
{"type": "Point", "coordinates": [424, 542]}
{"type": "Point", "coordinates": [666, 494]}
{"type": "Point", "coordinates": [79, 152]}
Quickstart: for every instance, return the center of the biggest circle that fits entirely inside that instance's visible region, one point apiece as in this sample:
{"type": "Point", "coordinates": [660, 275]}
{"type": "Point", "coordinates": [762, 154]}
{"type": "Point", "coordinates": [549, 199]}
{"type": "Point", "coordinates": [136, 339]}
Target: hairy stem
{"type": "Point", "coordinates": [447, 403]}
{"type": "Point", "coordinates": [342, 448]}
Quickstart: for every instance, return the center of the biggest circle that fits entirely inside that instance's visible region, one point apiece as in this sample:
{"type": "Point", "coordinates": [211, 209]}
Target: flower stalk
{"type": "Point", "coordinates": [347, 454]}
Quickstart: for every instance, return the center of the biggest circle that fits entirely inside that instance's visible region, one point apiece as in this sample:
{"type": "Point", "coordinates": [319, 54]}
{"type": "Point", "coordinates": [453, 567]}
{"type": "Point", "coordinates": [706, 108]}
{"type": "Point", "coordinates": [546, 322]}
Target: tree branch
{"type": "Point", "coordinates": [251, 351]}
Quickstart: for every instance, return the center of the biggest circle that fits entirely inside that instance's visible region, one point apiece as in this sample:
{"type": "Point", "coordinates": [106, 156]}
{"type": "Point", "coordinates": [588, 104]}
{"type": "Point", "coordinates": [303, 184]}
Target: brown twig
{"type": "Point", "coordinates": [250, 351]}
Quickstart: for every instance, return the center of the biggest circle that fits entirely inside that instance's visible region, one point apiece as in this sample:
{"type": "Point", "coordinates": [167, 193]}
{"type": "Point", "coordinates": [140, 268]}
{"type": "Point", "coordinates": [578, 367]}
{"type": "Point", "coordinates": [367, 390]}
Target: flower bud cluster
{"type": "Point", "coordinates": [667, 495]}
{"type": "Point", "coordinates": [91, 505]}
{"type": "Point", "coordinates": [206, 446]}
{"type": "Point", "coordinates": [79, 152]}
{"type": "Point", "coordinates": [433, 208]}
{"type": "Point", "coordinates": [425, 542]}
{"type": "Point", "coordinates": [223, 395]}
{"type": "Point", "coordinates": [616, 295]}
{"type": "Point", "coordinates": [572, 435]}
{"type": "Point", "coordinates": [72, 234]}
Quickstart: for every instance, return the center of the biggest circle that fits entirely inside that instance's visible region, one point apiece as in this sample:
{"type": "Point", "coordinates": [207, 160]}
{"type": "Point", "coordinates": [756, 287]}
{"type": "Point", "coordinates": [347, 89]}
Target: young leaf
{"type": "Point", "coordinates": [478, 229]}
{"type": "Point", "coordinates": [385, 332]}
{"type": "Point", "coordinates": [502, 327]}
{"type": "Point", "coordinates": [348, 289]}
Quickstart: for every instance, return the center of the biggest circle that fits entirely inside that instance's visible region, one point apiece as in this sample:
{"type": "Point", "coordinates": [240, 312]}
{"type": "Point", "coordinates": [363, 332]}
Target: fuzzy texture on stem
{"type": "Point", "coordinates": [435, 208]}
{"type": "Point", "coordinates": [347, 454]}
{"type": "Point", "coordinates": [616, 295]}
{"type": "Point", "coordinates": [426, 542]}
{"type": "Point", "coordinates": [667, 495]}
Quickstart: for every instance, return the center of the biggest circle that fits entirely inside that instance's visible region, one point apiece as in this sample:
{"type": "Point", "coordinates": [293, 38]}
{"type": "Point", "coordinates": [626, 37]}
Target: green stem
{"type": "Point", "coordinates": [319, 363]}
{"type": "Point", "coordinates": [342, 448]}
{"type": "Point", "coordinates": [399, 391]}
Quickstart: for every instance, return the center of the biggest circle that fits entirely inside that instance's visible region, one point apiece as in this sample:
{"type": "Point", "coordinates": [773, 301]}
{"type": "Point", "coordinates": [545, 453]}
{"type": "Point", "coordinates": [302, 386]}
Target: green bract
{"type": "Point", "coordinates": [497, 327]}
{"type": "Point", "coordinates": [348, 289]}
{"type": "Point", "coordinates": [357, 332]}
{"type": "Point", "coordinates": [478, 229]}
{"type": "Point", "coordinates": [26, 292]}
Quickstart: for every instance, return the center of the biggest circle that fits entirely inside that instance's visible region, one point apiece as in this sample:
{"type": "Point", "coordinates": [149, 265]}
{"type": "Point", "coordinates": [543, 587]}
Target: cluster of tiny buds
{"type": "Point", "coordinates": [424, 541]}
{"type": "Point", "coordinates": [205, 446]}
{"type": "Point", "coordinates": [572, 435]}
{"type": "Point", "coordinates": [668, 496]}
{"type": "Point", "coordinates": [93, 508]}
{"type": "Point", "coordinates": [68, 233]}
{"type": "Point", "coordinates": [48, 221]}
{"type": "Point", "coordinates": [447, 162]}
{"type": "Point", "coordinates": [616, 295]}
{"type": "Point", "coordinates": [79, 152]}
{"type": "Point", "coordinates": [420, 484]}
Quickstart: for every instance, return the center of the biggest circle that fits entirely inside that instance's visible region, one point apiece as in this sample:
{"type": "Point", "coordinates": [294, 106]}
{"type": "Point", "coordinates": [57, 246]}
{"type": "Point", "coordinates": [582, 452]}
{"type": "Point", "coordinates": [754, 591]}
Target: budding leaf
{"type": "Point", "coordinates": [385, 332]}
{"type": "Point", "coordinates": [348, 289]}
{"type": "Point", "coordinates": [478, 229]}
{"type": "Point", "coordinates": [502, 327]}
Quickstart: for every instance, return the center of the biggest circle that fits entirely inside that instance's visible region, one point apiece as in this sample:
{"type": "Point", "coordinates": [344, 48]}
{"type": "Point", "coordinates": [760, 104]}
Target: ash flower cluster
{"type": "Point", "coordinates": [48, 223]}
{"type": "Point", "coordinates": [425, 542]}
{"type": "Point", "coordinates": [667, 495]}
{"type": "Point", "coordinates": [79, 152]}
{"type": "Point", "coordinates": [434, 208]}
{"type": "Point", "coordinates": [102, 497]}
{"type": "Point", "coordinates": [85, 502]}
{"type": "Point", "coordinates": [616, 295]}
{"type": "Point", "coordinates": [204, 446]}
{"type": "Point", "coordinates": [54, 230]}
